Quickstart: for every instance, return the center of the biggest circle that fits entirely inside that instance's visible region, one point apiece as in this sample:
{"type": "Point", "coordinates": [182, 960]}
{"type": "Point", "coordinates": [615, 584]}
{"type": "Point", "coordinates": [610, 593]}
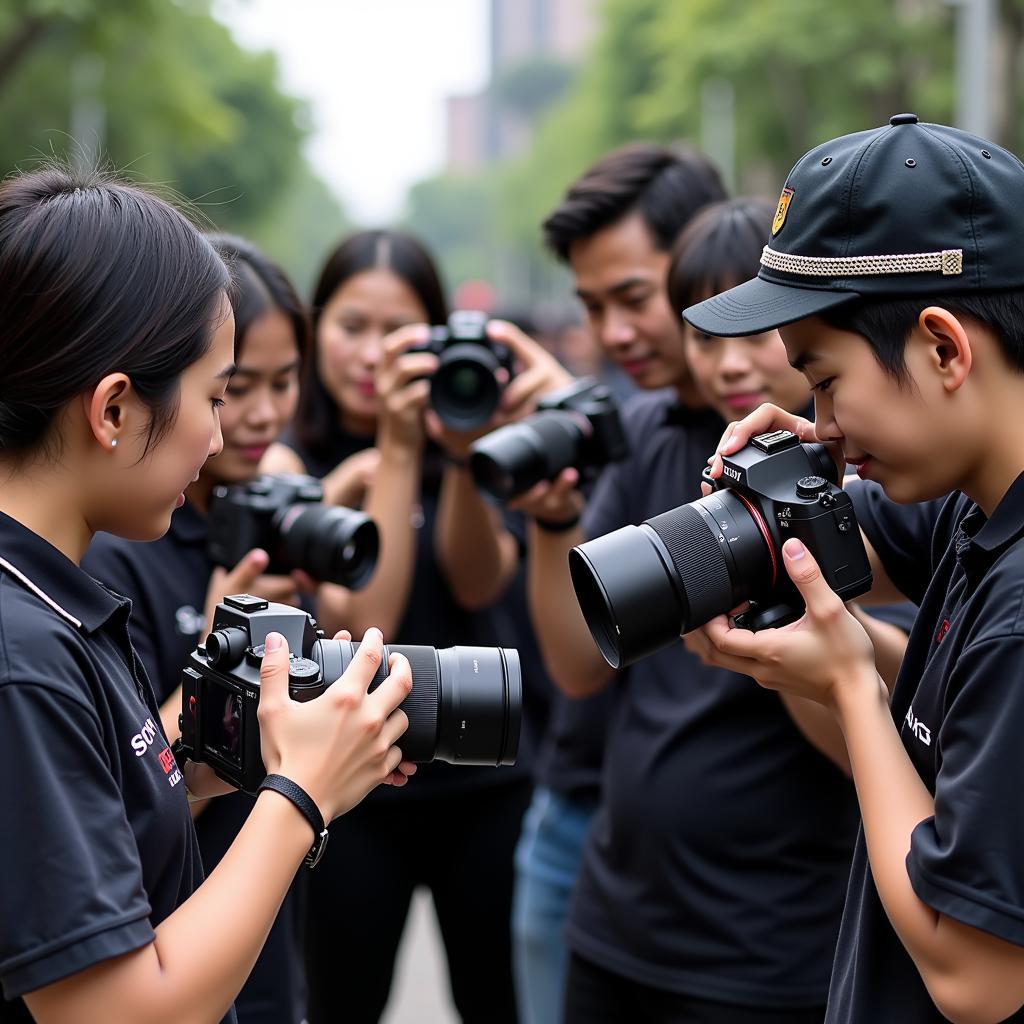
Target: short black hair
{"type": "Point", "coordinates": [665, 184]}
{"type": "Point", "coordinates": [257, 285]}
{"type": "Point", "coordinates": [405, 256]}
{"type": "Point", "coordinates": [97, 276]}
{"type": "Point", "coordinates": [721, 247]}
{"type": "Point", "coordinates": [885, 322]}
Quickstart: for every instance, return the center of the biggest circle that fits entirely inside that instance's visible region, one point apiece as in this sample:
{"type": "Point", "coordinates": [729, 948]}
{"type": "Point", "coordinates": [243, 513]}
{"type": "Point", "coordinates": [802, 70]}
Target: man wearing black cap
{"type": "Point", "coordinates": [896, 272]}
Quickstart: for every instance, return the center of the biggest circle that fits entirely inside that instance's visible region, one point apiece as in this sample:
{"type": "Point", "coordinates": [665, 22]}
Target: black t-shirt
{"type": "Point", "coordinates": [99, 846]}
{"type": "Point", "coordinates": [166, 581]}
{"type": "Point", "coordinates": [718, 859]}
{"type": "Point", "coordinates": [959, 703]}
{"type": "Point", "coordinates": [432, 616]}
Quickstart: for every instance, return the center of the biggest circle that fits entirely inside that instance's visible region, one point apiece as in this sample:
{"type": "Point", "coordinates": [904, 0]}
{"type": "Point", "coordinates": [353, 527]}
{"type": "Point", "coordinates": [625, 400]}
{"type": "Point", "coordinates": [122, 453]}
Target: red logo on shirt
{"type": "Point", "coordinates": [167, 760]}
{"type": "Point", "coordinates": [943, 630]}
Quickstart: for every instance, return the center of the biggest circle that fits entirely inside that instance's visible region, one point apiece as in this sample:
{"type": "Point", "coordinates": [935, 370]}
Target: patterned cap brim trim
{"type": "Point", "coordinates": [948, 262]}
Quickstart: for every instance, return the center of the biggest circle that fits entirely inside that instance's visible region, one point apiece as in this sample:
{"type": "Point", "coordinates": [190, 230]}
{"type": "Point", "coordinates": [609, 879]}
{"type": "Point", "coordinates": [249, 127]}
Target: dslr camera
{"type": "Point", "coordinates": [640, 587]}
{"type": "Point", "coordinates": [577, 426]}
{"type": "Point", "coordinates": [285, 515]}
{"type": "Point", "coordinates": [465, 389]}
{"type": "Point", "coordinates": [464, 708]}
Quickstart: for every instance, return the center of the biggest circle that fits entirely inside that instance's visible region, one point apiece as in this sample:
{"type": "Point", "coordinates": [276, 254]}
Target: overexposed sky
{"type": "Point", "coordinates": [376, 73]}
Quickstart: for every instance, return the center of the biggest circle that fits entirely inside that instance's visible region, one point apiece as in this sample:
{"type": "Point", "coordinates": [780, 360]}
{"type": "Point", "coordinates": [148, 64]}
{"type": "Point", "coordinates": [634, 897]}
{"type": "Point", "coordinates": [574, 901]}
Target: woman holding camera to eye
{"type": "Point", "coordinates": [117, 341]}
{"type": "Point", "coordinates": [174, 587]}
{"type": "Point", "coordinates": [445, 554]}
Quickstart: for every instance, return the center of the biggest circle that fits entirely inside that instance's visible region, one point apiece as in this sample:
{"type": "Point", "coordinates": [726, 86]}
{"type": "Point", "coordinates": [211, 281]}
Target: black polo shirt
{"type": "Point", "coordinates": [98, 846]}
{"type": "Point", "coordinates": [167, 581]}
{"type": "Point", "coordinates": [717, 862]}
{"type": "Point", "coordinates": [959, 703]}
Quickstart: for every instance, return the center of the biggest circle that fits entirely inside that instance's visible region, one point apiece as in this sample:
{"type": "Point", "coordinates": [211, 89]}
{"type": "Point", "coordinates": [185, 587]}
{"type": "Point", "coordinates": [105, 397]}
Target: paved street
{"type": "Point", "coordinates": [420, 993]}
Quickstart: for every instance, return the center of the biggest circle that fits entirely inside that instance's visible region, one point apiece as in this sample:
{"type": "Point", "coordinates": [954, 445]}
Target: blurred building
{"type": "Point", "coordinates": [535, 46]}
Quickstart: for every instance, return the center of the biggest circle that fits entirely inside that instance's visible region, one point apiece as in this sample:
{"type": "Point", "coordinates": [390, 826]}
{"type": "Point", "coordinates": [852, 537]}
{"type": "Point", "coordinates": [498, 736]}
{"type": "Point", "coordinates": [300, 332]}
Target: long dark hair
{"type": "Point", "coordinates": [407, 258]}
{"type": "Point", "coordinates": [97, 276]}
{"type": "Point", "coordinates": [258, 284]}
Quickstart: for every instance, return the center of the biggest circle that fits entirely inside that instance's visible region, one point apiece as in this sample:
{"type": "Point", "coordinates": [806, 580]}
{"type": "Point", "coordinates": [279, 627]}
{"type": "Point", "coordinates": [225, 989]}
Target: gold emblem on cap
{"type": "Point", "coordinates": [781, 210]}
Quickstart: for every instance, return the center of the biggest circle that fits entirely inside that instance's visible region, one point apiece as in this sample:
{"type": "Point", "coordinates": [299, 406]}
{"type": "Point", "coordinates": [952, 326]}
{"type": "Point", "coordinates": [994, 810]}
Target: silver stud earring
{"type": "Point", "coordinates": [113, 444]}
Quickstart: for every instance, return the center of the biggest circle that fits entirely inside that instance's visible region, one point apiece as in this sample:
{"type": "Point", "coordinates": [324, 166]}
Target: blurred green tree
{"type": "Point", "coordinates": [162, 91]}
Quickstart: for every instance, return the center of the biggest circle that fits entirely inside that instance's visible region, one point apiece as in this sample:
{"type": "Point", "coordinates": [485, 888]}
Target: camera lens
{"type": "Point", "coordinates": [464, 390]}
{"type": "Point", "coordinates": [510, 460]}
{"type": "Point", "coordinates": [331, 543]}
{"type": "Point", "coordinates": [466, 702]}
{"type": "Point", "coordinates": [640, 587]}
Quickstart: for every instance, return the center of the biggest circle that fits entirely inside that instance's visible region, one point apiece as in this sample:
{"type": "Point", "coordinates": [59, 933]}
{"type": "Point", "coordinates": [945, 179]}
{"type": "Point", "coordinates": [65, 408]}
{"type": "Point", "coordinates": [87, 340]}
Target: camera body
{"type": "Point", "coordinates": [465, 389]}
{"type": "Point", "coordinates": [577, 426]}
{"type": "Point", "coordinates": [285, 515]}
{"type": "Point", "coordinates": [465, 706]}
{"type": "Point", "coordinates": [641, 586]}
{"type": "Point", "coordinates": [810, 507]}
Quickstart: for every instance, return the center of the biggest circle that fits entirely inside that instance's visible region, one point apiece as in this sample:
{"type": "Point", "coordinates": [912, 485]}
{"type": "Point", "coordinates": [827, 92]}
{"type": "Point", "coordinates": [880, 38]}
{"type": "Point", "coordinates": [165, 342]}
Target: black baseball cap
{"type": "Point", "coordinates": [906, 209]}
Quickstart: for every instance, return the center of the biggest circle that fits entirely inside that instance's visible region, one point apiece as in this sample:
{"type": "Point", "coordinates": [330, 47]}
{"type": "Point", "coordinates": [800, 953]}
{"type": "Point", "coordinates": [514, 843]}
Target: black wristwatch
{"type": "Point", "coordinates": [298, 796]}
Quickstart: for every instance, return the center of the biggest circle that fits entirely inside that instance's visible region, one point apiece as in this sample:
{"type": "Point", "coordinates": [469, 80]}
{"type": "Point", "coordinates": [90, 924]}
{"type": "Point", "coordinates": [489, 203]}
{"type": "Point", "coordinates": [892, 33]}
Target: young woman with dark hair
{"type": "Point", "coordinates": [174, 587]}
{"type": "Point", "coordinates": [445, 555]}
{"type": "Point", "coordinates": [117, 342]}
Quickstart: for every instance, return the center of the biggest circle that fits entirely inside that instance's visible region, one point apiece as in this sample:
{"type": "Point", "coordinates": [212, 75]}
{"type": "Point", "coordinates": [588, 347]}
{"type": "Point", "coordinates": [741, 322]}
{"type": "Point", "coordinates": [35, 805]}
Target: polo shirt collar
{"type": "Point", "coordinates": [983, 540]}
{"type": "Point", "coordinates": [55, 579]}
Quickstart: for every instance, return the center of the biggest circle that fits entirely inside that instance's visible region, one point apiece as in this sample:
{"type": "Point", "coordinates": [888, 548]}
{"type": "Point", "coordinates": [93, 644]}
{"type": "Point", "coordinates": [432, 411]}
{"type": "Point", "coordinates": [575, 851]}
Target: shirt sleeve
{"type": "Point", "coordinates": [71, 889]}
{"type": "Point", "coordinates": [900, 534]}
{"type": "Point", "coordinates": [967, 861]}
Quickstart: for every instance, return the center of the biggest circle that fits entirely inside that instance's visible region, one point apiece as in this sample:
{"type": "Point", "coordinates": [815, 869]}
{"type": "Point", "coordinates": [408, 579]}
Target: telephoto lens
{"type": "Point", "coordinates": [640, 587]}
{"type": "Point", "coordinates": [466, 702]}
{"type": "Point", "coordinates": [465, 706]}
{"type": "Point", "coordinates": [285, 515]}
{"type": "Point", "coordinates": [330, 542]}
{"type": "Point", "coordinates": [511, 459]}
{"type": "Point", "coordinates": [577, 426]}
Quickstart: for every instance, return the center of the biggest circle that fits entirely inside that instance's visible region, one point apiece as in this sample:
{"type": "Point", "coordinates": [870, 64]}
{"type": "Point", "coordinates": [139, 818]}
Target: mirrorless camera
{"type": "Point", "coordinates": [464, 708]}
{"type": "Point", "coordinates": [466, 387]}
{"type": "Point", "coordinates": [577, 426]}
{"type": "Point", "coordinates": [285, 515]}
{"type": "Point", "coordinates": [640, 587]}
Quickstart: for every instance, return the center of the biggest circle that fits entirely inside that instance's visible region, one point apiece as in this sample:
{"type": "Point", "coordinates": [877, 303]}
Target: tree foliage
{"type": "Point", "coordinates": [170, 98]}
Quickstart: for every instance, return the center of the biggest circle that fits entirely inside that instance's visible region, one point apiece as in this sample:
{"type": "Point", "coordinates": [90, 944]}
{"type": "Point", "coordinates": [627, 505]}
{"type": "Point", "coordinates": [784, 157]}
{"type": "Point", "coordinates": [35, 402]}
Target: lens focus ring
{"type": "Point", "coordinates": [699, 562]}
{"type": "Point", "coordinates": [419, 741]}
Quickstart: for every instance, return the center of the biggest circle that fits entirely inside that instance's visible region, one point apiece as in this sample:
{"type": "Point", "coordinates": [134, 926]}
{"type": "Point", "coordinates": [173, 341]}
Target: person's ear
{"type": "Point", "coordinates": [108, 407]}
{"type": "Point", "coordinates": [949, 345]}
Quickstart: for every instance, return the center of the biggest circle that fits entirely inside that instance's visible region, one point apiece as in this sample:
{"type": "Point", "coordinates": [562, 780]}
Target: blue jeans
{"type": "Point", "coordinates": [547, 862]}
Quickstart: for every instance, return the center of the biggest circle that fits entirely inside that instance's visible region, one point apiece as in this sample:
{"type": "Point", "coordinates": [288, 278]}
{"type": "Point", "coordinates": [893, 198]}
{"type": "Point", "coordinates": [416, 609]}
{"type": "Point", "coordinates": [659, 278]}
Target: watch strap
{"type": "Point", "coordinates": [304, 802]}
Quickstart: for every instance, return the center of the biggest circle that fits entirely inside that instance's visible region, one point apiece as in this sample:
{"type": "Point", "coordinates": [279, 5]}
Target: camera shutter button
{"type": "Point", "coordinates": [811, 486]}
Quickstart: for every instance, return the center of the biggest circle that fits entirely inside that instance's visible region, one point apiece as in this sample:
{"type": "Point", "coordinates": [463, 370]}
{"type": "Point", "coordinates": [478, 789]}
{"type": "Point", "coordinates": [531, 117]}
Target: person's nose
{"type": "Point", "coordinates": [617, 330]}
{"type": "Point", "coordinates": [733, 359]}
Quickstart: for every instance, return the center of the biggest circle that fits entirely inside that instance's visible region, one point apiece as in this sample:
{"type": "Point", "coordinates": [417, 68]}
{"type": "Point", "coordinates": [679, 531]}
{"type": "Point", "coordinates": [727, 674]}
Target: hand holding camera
{"type": "Point", "coordinates": [403, 388]}
{"type": "Point", "coordinates": [343, 744]}
{"type": "Point", "coordinates": [640, 587]}
{"type": "Point", "coordinates": [816, 657]}
{"type": "Point", "coordinates": [463, 705]}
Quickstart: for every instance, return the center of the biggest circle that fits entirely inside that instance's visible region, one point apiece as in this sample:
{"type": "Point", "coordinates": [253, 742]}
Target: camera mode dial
{"type": "Point", "coordinates": [811, 486]}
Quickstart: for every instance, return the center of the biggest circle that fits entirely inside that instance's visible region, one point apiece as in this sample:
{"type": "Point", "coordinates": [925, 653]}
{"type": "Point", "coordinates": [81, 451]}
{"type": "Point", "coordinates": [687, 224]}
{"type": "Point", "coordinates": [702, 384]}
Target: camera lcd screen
{"type": "Point", "coordinates": [222, 722]}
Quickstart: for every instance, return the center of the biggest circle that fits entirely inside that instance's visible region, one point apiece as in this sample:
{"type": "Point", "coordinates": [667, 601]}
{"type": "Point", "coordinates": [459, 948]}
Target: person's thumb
{"type": "Point", "coordinates": [803, 570]}
{"type": "Point", "coordinates": [248, 570]}
{"type": "Point", "coordinates": [274, 672]}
